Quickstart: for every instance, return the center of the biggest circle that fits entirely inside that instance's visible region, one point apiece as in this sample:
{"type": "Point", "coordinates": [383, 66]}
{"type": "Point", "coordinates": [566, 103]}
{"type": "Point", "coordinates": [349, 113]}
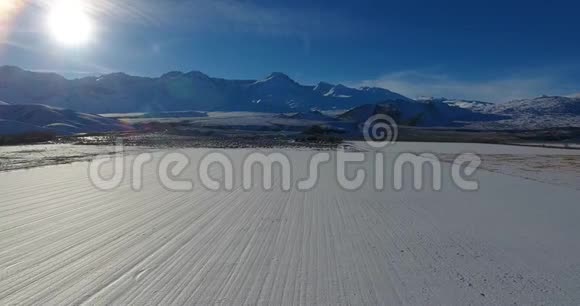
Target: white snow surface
{"type": "Point", "coordinates": [64, 242]}
{"type": "Point", "coordinates": [472, 105]}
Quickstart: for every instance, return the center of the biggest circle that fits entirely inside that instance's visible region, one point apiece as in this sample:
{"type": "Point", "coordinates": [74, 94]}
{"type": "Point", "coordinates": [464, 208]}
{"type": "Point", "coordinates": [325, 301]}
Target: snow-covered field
{"type": "Point", "coordinates": [38, 155]}
{"type": "Point", "coordinates": [514, 241]}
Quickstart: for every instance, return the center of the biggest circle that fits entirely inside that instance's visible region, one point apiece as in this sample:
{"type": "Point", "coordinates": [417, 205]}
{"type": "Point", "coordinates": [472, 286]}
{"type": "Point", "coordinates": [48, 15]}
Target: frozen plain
{"type": "Point", "coordinates": [514, 241]}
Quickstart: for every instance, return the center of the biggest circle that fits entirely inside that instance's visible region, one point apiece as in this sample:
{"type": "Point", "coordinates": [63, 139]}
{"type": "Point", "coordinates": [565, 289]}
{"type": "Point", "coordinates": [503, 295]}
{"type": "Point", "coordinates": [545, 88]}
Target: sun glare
{"type": "Point", "coordinates": [69, 23]}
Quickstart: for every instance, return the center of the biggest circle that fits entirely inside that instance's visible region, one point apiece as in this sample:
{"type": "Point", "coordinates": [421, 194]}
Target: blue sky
{"type": "Point", "coordinates": [487, 50]}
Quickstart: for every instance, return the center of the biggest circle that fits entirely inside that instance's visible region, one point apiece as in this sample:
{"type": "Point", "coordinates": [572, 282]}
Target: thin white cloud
{"type": "Point", "coordinates": [414, 83]}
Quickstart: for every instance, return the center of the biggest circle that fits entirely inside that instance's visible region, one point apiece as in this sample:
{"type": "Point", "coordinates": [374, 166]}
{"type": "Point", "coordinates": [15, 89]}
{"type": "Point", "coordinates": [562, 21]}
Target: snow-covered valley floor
{"type": "Point", "coordinates": [514, 241]}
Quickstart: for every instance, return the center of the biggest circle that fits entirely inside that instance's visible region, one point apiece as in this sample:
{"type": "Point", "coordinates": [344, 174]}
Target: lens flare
{"type": "Point", "coordinates": [9, 9]}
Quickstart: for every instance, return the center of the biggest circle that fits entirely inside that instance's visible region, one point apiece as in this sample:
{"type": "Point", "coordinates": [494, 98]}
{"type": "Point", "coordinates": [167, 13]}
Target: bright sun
{"type": "Point", "coordinates": [69, 23]}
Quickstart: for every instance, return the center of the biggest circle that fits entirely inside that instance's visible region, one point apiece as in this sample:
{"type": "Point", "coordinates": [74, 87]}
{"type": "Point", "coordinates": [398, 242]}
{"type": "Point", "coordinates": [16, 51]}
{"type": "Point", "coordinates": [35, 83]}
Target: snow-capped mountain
{"type": "Point", "coordinates": [18, 119]}
{"type": "Point", "coordinates": [419, 113]}
{"type": "Point", "coordinates": [545, 105]}
{"type": "Point", "coordinates": [179, 91]}
{"type": "Point", "coordinates": [536, 113]}
{"type": "Point", "coordinates": [175, 91]}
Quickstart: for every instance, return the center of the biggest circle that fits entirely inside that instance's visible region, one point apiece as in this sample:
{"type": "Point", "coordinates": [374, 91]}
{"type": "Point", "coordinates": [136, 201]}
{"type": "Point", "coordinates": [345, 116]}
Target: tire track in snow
{"type": "Point", "coordinates": [64, 242]}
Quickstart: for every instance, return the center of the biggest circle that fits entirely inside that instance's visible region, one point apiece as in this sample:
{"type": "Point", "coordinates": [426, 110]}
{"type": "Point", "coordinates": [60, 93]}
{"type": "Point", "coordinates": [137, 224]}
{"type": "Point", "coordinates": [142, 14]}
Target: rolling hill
{"type": "Point", "coordinates": [22, 119]}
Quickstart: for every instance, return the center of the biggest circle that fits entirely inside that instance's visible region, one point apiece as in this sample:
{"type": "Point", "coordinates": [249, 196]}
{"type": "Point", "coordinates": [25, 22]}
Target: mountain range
{"type": "Point", "coordinates": [194, 91]}
{"type": "Point", "coordinates": [176, 91]}
{"type": "Point", "coordinates": [525, 114]}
